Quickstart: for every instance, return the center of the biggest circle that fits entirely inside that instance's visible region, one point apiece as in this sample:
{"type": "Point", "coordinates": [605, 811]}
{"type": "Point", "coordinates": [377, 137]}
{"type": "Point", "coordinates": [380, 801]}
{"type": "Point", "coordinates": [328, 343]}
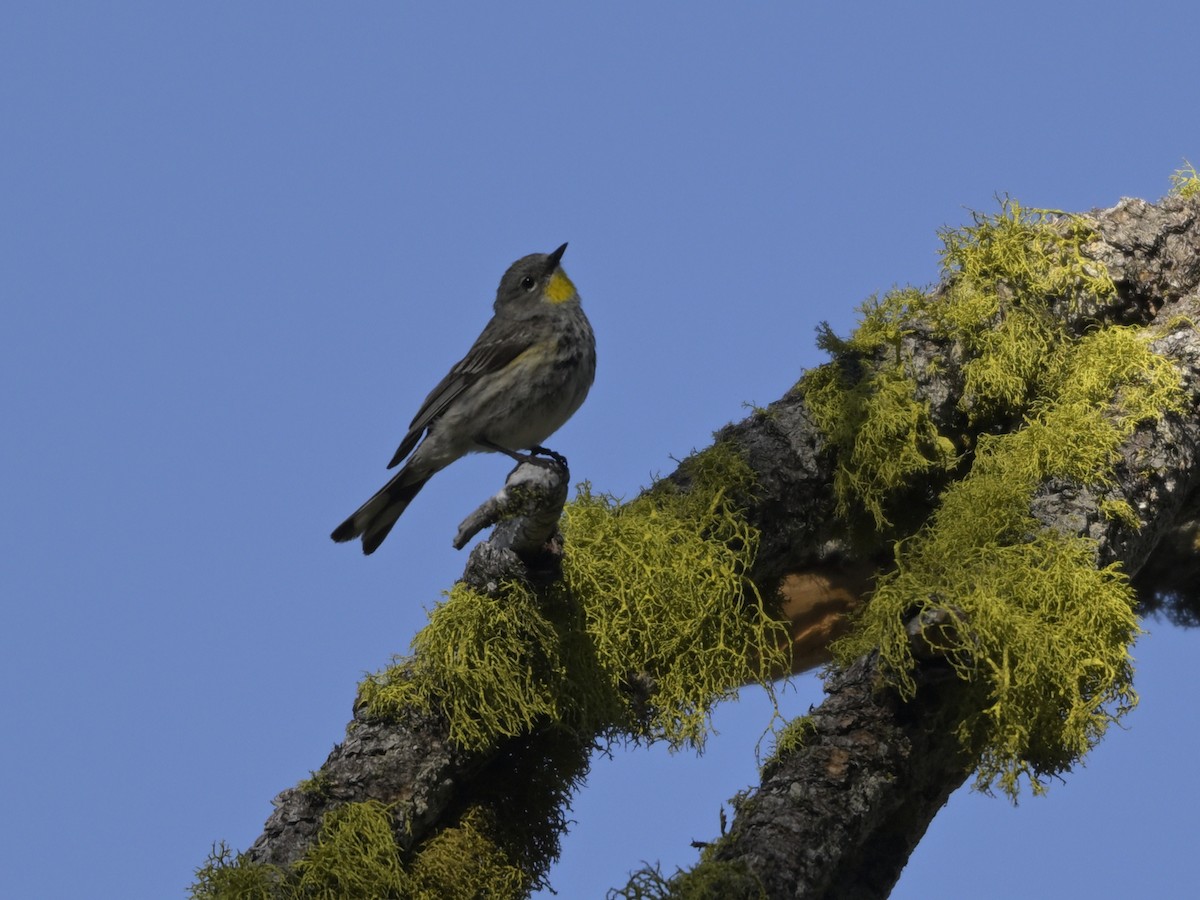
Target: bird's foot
{"type": "Point", "coordinates": [523, 457]}
{"type": "Point", "coordinates": [545, 451]}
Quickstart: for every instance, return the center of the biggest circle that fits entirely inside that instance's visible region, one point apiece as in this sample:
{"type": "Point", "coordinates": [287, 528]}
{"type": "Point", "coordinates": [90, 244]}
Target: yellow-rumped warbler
{"type": "Point", "coordinates": [524, 376]}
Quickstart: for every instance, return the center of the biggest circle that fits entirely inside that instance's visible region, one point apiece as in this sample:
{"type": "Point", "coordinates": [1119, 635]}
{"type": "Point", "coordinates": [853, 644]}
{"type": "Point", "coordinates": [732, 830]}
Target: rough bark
{"type": "Point", "coordinates": [839, 817]}
{"type": "Point", "coordinates": [413, 766]}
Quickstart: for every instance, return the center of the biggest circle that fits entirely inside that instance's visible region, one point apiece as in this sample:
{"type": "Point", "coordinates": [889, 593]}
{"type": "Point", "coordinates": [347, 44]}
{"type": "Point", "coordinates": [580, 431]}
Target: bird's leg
{"type": "Point", "coordinates": [522, 457]}
{"type": "Point", "coordinates": [511, 454]}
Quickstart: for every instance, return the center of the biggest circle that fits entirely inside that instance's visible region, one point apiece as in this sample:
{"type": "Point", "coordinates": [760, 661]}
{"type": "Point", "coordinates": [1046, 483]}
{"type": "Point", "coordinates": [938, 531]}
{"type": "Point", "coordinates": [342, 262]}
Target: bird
{"type": "Point", "coordinates": [526, 374]}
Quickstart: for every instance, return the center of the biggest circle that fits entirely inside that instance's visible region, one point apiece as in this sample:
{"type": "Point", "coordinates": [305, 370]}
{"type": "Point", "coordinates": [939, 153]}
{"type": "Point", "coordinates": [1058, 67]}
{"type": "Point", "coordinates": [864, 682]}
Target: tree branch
{"type": "Point", "coordinates": [412, 765]}
{"type": "Point", "coordinates": [839, 816]}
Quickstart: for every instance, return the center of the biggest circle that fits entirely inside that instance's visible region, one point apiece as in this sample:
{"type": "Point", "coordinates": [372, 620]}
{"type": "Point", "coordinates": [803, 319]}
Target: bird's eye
{"type": "Point", "coordinates": [528, 282]}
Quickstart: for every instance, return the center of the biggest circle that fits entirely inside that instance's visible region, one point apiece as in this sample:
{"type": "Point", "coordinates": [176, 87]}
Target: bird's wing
{"type": "Point", "coordinates": [488, 354]}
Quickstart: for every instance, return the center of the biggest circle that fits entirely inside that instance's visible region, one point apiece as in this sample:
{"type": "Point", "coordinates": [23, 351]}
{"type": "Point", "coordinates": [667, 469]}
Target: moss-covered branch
{"type": "Point", "coordinates": [647, 620]}
{"type": "Point", "coordinates": [1062, 482]}
{"type": "Point", "coordinates": [1006, 451]}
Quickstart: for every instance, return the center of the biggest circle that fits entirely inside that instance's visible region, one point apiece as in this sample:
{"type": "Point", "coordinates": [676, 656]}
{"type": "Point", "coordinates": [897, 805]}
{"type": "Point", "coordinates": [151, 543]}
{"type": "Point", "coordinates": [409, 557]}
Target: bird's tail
{"type": "Point", "coordinates": [375, 518]}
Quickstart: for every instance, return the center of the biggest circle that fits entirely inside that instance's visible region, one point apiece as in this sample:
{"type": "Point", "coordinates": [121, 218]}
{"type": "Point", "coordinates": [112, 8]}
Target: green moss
{"type": "Point", "coordinates": [655, 620]}
{"type": "Point", "coordinates": [1185, 181]}
{"type": "Point", "coordinates": [1007, 275]}
{"type": "Point", "coordinates": [884, 436]}
{"type": "Point", "coordinates": [1043, 631]}
{"type": "Point", "coordinates": [316, 785]}
{"type": "Point", "coordinates": [793, 736]}
{"type": "Point", "coordinates": [464, 863]}
{"type": "Point", "coordinates": [498, 666]}
{"type": "Point", "coordinates": [711, 880]}
{"type": "Point", "coordinates": [354, 858]}
{"type": "Point", "coordinates": [229, 876]}
{"type": "Point", "coordinates": [664, 584]}
{"type": "Point", "coordinates": [659, 594]}
{"type": "Point", "coordinates": [1025, 255]}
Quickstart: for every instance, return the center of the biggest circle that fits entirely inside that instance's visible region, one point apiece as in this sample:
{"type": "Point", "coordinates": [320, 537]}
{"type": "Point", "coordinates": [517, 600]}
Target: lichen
{"type": "Point", "coordinates": [664, 585]}
{"type": "Point", "coordinates": [229, 876]}
{"type": "Point", "coordinates": [793, 736]}
{"type": "Point", "coordinates": [654, 621]}
{"type": "Point", "coordinates": [1185, 181]}
{"type": "Point", "coordinates": [355, 857]}
{"type": "Point", "coordinates": [1042, 629]}
{"type": "Point", "coordinates": [316, 785]}
{"type": "Point", "coordinates": [1007, 277]}
{"type": "Point", "coordinates": [464, 863]}
{"type": "Point", "coordinates": [883, 433]}
{"type": "Point", "coordinates": [657, 591]}
{"type": "Point", "coordinates": [1024, 255]}
{"type": "Point", "coordinates": [497, 666]}
{"type": "Point", "coordinates": [710, 880]}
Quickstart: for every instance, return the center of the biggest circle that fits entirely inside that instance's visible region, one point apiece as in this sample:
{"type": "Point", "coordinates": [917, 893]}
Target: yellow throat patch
{"type": "Point", "coordinates": [560, 289]}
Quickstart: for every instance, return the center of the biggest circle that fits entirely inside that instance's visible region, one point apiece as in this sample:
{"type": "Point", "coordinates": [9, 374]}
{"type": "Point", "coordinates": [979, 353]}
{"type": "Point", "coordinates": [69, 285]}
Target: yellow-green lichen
{"type": "Point", "coordinates": [664, 584]}
{"type": "Point", "coordinates": [1030, 254]}
{"type": "Point", "coordinates": [465, 863]}
{"type": "Point", "coordinates": [657, 592]}
{"type": "Point", "coordinates": [1116, 510]}
{"type": "Point", "coordinates": [1044, 629]}
{"type": "Point", "coordinates": [497, 665]}
{"type": "Point", "coordinates": [1185, 181]}
{"type": "Point", "coordinates": [355, 857]}
{"type": "Point", "coordinates": [229, 876]}
{"type": "Point", "coordinates": [793, 736]}
{"type": "Point", "coordinates": [1006, 361]}
{"type": "Point", "coordinates": [655, 621]}
{"type": "Point", "coordinates": [884, 435]}
{"type": "Point", "coordinates": [1040, 628]}
{"type": "Point", "coordinates": [316, 785]}
{"type": "Point", "coordinates": [710, 880]}
{"type": "Point", "coordinates": [1007, 274]}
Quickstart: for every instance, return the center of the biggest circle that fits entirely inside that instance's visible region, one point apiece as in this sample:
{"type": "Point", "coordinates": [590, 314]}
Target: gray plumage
{"type": "Point", "coordinates": [523, 378]}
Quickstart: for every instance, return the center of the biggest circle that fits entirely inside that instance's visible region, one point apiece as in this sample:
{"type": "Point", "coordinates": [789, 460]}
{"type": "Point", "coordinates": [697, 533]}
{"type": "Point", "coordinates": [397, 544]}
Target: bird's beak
{"type": "Point", "coordinates": [555, 257]}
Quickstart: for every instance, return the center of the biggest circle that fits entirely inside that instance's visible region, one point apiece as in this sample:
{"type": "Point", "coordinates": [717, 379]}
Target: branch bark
{"type": "Point", "coordinates": [412, 766]}
{"type": "Point", "coordinates": [839, 818]}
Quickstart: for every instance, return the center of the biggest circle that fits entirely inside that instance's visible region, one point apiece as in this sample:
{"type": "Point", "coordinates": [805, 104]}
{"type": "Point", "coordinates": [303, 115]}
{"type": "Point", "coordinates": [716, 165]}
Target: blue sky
{"type": "Point", "coordinates": [240, 242]}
